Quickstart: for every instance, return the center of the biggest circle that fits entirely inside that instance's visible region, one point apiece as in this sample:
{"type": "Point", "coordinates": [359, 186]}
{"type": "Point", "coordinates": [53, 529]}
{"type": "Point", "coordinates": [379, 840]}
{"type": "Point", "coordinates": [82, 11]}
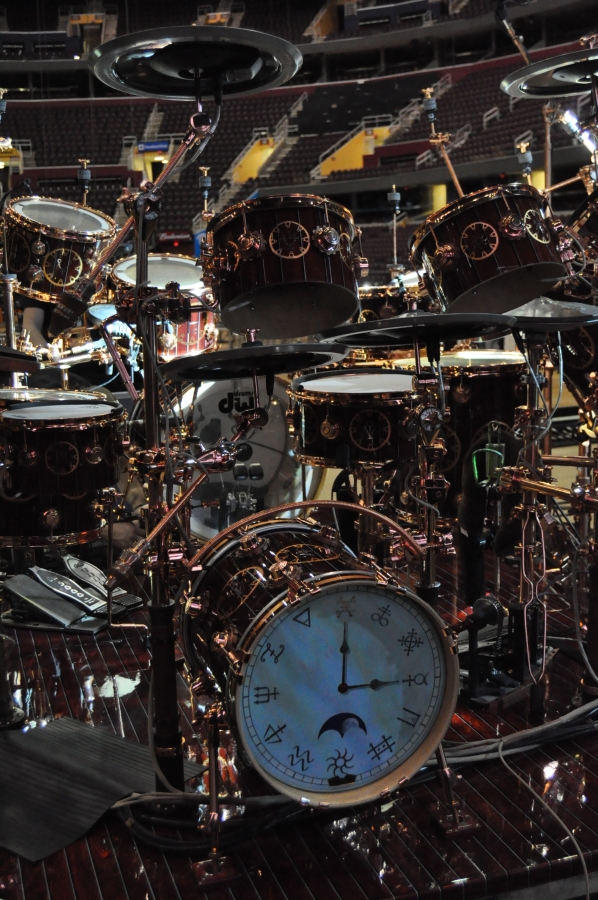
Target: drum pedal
{"type": "Point", "coordinates": [74, 593]}
{"type": "Point", "coordinates": [93, 577]}
{"type": "Point", "coordinates": [32, 605]}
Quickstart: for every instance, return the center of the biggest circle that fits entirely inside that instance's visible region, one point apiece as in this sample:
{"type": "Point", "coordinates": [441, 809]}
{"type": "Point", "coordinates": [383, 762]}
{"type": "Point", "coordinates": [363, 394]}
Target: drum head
{"type": "Point", "coordinates": [471, 359]}
{"type": "Point", "coordinates": [15, 397]}
{"type": "Point", "coordinates": [63, 215]}
{"type": "Point", "coordinates": [350, 382]}
{"type": "Point", "coordinates": [288, 310]}
{"type": "Point", "coordinates": [101, 311]}
{"type": "Point", "coordinates": [520, 285]}
{"type": "Point", "coordinates": [62, 412]}
{"type": "Point", "coordinates": [269, 476]}
{"type": "Point", "coordinates": [163, 268]}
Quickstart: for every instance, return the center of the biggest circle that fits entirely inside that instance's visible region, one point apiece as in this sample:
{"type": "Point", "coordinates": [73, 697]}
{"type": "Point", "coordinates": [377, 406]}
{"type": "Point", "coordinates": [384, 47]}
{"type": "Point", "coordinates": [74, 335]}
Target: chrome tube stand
{"type": "Point", "coordinates": [9, 283]}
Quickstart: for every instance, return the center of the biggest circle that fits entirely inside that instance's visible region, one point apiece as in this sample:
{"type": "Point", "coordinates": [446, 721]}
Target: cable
{"type": "Point", "coordinates": [552, 813]}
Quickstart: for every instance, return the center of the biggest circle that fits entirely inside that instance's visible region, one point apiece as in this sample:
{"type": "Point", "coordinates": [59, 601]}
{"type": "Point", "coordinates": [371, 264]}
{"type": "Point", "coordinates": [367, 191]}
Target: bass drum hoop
{"type": "Point", "coordinates": [61, 233]}
{"type": "Point", "coordinates": [282, 201]}
{"type": "Point", "coordinates": [407, 769]}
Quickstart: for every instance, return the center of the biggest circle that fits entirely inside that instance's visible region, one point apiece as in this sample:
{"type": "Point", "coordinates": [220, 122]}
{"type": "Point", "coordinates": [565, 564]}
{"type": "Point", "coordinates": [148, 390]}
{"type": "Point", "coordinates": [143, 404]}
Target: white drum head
{"type": "Point", "coordinates": [57, 413]}
{"type": "Point", "coordinates": [63, 215]}
{"type": "Point", "coordinates": [384, 382]}
{"type": "Point", "coordinates": [101, 311]}
{"type": "Point", "coordinates": [161, 269]}
{"type": "Point", "coordinates": [17, 396]}
{"type": "Point", "coordinates": [470, 359]}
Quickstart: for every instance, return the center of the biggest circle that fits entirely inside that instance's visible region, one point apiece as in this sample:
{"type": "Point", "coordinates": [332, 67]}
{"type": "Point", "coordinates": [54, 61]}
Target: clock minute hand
{"type": "Point", "coordinates": [375, 685]}
{"type": "Point", "coordinates": [344, 648]}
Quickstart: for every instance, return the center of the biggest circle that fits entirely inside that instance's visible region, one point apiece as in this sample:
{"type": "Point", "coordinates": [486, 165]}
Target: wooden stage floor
{"type": "Point", "coordinates": [394, 852]}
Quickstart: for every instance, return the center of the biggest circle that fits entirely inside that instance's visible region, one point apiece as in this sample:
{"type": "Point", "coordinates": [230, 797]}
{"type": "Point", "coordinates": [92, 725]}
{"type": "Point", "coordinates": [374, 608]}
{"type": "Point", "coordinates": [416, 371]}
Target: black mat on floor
{"type": "Point", "coordinates": [56, 782]}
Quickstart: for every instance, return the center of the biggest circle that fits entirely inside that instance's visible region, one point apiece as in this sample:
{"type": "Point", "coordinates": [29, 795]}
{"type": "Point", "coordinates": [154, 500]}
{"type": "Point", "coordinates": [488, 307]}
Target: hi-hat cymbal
{"type": "Point", "coordinates": [251, 359]}
{"type": "Point", "coordinates": [559, 76]}
{"type": "Point", "coordinates": [545, 315]}
{"type": "Point", "coordinates": [16, 361]}
{"type": "Point", "coordinates": [400, 331]}
{"type": "Point", "coordinates": [162, 62]}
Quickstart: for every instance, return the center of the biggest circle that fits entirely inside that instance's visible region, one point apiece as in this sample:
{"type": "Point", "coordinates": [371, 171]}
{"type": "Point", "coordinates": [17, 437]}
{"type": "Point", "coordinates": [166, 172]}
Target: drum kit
{"type": "Point", "coordinates": [385, 386]}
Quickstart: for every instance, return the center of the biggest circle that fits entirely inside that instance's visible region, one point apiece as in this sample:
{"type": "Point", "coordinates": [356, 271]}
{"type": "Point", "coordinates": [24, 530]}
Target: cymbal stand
{"type": "Point", "coordinates": [524, 618]}
{"type": "Point", "coordinates": [430, 489]}
{"type": "Point", "coordinates": [439, 139]}
{"type": "Point", "coordinates": [9, 283]}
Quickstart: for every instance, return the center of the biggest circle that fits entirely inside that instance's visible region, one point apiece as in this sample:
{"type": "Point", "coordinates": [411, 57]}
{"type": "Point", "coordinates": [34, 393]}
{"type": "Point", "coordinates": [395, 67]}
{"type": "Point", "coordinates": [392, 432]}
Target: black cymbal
{"type": "Point", "coordinates": [559, 76]}
{"type": "Point", "coordinates": [401, 330]}
{"type": "Point", "coordinates": [162, 62]}
{"type": "Point", "coordinates": [16, 361]}
{"type": "Point", "coordinates": [544, 315]}
{"type": "Point", "coordinates": [224, 365]}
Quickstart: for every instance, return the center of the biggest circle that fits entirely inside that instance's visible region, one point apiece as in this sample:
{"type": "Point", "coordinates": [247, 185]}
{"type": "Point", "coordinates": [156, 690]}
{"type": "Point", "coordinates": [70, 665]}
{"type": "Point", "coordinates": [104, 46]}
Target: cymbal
{"type": "Point", "coordinates": [545, 315]}
{"type": "Point", "coordinates": [401, 330]}
{"type": "Point", "coordinates": [162, 62]}
{"type": "Point", "coordinates": [224, 365]}
{"type": "Point", "coordinates": [16, 361]}
{"type": "Point", "coordinates": [560, 76]}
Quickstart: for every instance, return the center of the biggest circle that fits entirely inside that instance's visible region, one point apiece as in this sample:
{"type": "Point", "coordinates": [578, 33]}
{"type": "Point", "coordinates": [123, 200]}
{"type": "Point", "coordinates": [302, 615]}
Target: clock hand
{"type": "Point", "coordinates": [344, 648]}
{"type": "Point", "coordinates": [375, 685]}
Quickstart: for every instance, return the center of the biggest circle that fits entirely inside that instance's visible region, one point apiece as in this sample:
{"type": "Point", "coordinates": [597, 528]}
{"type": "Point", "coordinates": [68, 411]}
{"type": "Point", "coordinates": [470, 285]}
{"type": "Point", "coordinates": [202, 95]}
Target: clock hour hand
{"type": "Point", "coordinates": [344, 648]}
{"type": "Point", "coordinates": [375, 685]}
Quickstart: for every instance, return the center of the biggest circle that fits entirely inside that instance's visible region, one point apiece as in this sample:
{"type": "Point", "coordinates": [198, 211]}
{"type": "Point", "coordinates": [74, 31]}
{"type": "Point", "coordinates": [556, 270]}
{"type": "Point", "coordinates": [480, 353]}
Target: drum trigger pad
{"type": "Point", "coordinates": [445, 257]}
{"type": "Point", "coordinates": [94, 455]}
{"type": "Point", "coordinates": [251, 244]}
{"type": "Point", "coordinates": [326, 239]}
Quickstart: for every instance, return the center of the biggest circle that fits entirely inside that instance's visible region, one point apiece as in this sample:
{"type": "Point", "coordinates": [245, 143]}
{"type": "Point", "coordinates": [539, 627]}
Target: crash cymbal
{"type": "Point", "coordinates": [401, 330]}
{"type": "Point", "coordinates": [545, 315]}
{"type": "Point", "coordinates": [162, 62]}
{"type": "Point", "coordinates": [559, 76]}
{"type": "Point", "coordinates": [15, 361]}
{"type": "Point", "coordinates": [250, 359]}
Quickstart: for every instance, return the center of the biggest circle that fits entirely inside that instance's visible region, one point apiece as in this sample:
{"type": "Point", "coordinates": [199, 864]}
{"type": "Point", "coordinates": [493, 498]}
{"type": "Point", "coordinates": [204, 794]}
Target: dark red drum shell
{"type": "Point", "coordinates": [281, 201]}
{"type": "Point", "coordinates": [516, 271]}
{"type": "Point", "coordinates": [310, 287]}
{"type": "Point", "coordinates": [290, 310]}
{"type": "Point", "coordinates": [471, 202]}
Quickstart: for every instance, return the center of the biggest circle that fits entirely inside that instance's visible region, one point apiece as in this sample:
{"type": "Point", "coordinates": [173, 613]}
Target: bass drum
{"type": "Point", "coordinates": [269, 474]}
{"type": "Point", "coordinates": [338, 688]}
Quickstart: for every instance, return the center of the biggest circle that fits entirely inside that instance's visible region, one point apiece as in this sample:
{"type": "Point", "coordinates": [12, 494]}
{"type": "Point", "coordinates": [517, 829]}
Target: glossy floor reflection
{"type": "Point", "coordinates": [393, 851]}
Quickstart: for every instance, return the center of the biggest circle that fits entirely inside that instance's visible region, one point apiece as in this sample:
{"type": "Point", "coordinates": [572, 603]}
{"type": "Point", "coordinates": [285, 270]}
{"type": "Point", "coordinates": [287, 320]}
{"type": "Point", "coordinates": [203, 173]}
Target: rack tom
{"type": "Point", "coordinates": [58, 448]}
{"type": "Point", "coordinates": [52, 243]}
{"type": "Point", "coordinates": [351, 418]}
{"type": "Point", "coordinates": [286, 265]}
{"type": "Point", "coordinates": [491, 251]}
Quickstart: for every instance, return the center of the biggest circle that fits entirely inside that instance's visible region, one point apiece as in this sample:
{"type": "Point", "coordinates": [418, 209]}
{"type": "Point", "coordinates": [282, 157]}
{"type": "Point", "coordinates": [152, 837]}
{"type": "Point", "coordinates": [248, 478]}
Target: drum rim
{"type": "Point", "coordinates": [299, 392]}
{"type": "Point", "coordinates": [74, 537]}
{"type": "Point", "coordinates": [227, 215]}
{"type": "Point", "coordinates": [128, 259]}
{"type": "Point", "coordinates": [492, 192]}
{"type": "Point", "coordinates": [114, 414]}
{"type": "Point", "coordinates": [437, 730]}
{"type": "Point", "coordinates": [485, 367]}
{"type": "Point", "coordinates": [79, 394]}
{"type": "Point", "coordinates": [53, 230]}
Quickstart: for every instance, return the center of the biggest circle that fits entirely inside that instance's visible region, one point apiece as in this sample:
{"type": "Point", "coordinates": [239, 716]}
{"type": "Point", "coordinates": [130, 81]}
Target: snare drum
{"type": "Point", "coordinates": [51, 243]}
{"type": "Point", "coordinates": [348, 418]}
{"type": "Point", "coordinates": [490, 251]}
{"type": "Point", "coordinates": [286, 265]}
{"type": "Point", "coordinates": [58, 448]}
{"type": "Point", "coordinates": [483, 386]}
{"type": "Point", "coordinates": [269, 474]}
{"type": "Point", "coordinates": [175, 339]}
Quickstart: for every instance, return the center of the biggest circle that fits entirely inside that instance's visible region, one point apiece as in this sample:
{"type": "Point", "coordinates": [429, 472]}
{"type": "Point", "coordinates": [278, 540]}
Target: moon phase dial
{"type": "Point", "coordinates": [479, 240]}
{"type": "Point", "coordinates": [370, 430]}
{"type": "Point", "coordinates": [62, 267]}
{"type": "Point", "coordinates": [536, 226]}
{"type": "Point", "coordinates": [289, 240]}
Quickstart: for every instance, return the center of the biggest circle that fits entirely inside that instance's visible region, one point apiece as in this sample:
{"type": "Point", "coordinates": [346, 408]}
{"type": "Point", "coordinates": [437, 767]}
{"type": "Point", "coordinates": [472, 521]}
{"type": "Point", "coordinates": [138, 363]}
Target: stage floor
{"type": "Point", "coordinates": [519, 851]}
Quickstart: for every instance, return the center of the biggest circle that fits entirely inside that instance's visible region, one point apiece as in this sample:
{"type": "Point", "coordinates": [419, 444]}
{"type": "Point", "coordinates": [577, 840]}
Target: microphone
{"type": "Point", "coordinates": [71, 307]}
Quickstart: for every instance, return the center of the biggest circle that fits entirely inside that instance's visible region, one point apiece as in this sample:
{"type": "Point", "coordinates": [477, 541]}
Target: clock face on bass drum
{"type": "Point", "coordinates": [346, 693]}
